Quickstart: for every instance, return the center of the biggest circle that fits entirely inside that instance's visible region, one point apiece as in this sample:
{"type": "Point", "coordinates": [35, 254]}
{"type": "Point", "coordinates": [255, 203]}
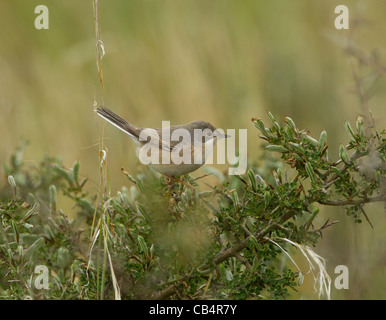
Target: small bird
{"type": "Point", "coordinates": [197, 147]}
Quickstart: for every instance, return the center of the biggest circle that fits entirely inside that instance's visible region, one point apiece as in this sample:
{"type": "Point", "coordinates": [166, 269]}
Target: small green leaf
{"type": "Point", "coordinates": [142, 211]}
{"type": "Point", "coordinates": [235, 199]}
{"type": "Point", "coordinates": [252, 180]}
{"type": "Point", "coordinates": [12, 183]}
{"type": "Point", "coordinates": [300, 278]}
{"type": "Point", "coordinates": [142, 244]}
{"type": "Point", "coordinates": [34, 210]}
{"type": "Point", "coordinates": [15, 230]}
{"type": "Point", "coordinates": [359, 124]}
{"type": "Point", "coordinates": [289, 133]}
{"type": "Point", "coordinates": [152, 251]}
{"type": "Point", "coordinates": [311, 218]}
{"type": "Point", "coordinates": [76, 170]}
{"type": "Point", "coordinates": [260, 180]}
{"type": "Point", "coordinates": [129, 176]}
{"type": "Point", "coordinates": [255, 264]}
{"type": "Point", "coordinates": [297, 157]}
{"type": "Point", "coordinates": [53, 197]}
{"type": "Point", "coordinates": [349, 130]}
{"type": "Point", "coordinates": [337, 172]}
{"type": "Point", "coordinates": [310, 172]}
{"type": "Point", "coordinates": [259, 124]}
{"type": "Point", "coordinates": [254, 241]}
{"type": "Point", "coordinates": [20, 251]}
{"type": "Point", "coordinates": [267, 199]}
{"type": "Point", "coordinates": [291, 125]}
{"type": "Point", "coordinates": [205, 194]}
{"type": "Point", "coordinates": [65, 175]}
{"type": "Point", "coordinates": [271, 117]}
{"type": "Point", "coordinates": [311, 140]}
{"type": "Point", "coordinates": [276, 148]}
{"type": "Point", "coordinates": [274, 122]}
{"type": "Point", "coordinates": [49, 233]}
{"type": "Point", "coordinates": [228, 274]}
{"type": "Point", "coordinates": [298, 148]}
{"type": "Point", "coordinates": [322, 140]}
{"type": "Point", "coordinates": [343, 155]}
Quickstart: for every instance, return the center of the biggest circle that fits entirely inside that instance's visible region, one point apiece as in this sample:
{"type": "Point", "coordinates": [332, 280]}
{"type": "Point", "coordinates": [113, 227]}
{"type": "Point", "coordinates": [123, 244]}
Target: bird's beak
{"type": "Point", "coordinates": [221, 135]}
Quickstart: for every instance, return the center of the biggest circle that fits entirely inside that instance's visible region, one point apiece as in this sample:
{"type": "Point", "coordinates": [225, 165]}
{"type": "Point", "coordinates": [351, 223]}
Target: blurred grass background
{"type": "Point", "coordinates": [221, 61]}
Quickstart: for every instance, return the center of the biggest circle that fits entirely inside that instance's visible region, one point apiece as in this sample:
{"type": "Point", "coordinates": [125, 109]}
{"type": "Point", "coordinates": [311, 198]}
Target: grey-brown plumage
{"type": "Point", "coordinates": [118, 121]}
{"type": "Point", "coordinates": [165, 143]}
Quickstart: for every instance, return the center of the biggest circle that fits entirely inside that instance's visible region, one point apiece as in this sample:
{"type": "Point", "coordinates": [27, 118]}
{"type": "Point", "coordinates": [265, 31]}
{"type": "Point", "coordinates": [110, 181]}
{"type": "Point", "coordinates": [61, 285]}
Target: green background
{"type": "Point", "coordinates": [221, 61]}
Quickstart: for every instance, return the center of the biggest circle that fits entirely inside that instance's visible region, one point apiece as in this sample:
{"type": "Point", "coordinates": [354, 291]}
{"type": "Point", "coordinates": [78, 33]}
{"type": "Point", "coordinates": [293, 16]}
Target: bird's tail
{"type": "Point", "coordinates": [117, 121]}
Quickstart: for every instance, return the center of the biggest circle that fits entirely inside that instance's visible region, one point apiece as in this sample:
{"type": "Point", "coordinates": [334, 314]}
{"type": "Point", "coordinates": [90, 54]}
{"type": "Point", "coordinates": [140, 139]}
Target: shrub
{"type": "Point", "coordinates": [159, 240]}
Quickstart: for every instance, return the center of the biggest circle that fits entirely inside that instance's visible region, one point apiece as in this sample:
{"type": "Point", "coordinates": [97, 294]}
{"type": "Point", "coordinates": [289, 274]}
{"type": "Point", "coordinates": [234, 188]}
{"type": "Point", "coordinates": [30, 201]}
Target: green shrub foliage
{"type": "Point", "coordinates": [158, 239]}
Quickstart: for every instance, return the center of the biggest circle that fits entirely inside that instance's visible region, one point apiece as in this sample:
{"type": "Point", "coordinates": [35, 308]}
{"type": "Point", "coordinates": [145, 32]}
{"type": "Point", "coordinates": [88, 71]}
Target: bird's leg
{"type": "Point", "coordinates": [169, 181]}
{"type": "Point", "coordinates": [183, 182]}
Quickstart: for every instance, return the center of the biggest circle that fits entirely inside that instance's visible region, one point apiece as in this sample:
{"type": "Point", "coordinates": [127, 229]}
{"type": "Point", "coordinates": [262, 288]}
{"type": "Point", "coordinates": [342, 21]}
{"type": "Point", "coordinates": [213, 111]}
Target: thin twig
{"type": "Point", "coordinates": [353, 202]}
